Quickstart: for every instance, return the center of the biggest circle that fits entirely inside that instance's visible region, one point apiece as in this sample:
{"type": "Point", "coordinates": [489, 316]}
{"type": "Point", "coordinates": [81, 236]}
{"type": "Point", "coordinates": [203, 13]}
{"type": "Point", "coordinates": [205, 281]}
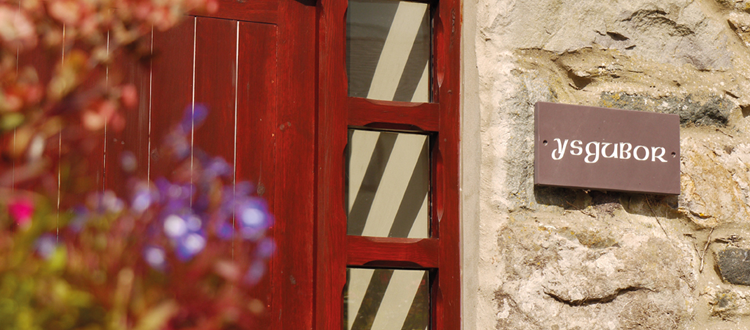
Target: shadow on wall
{"type": "Point", "coordinates": [606, 202]}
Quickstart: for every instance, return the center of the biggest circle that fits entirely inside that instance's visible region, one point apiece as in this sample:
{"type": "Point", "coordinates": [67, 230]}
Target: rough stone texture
{"type": "Point", "coordinates": [734, 265]}
{"type": "Point", "coordinates": [740, 22]}
{"type": "Point", "coordinates": [589, 270]}
{"type": "Point", "coordinates": [553, 258]}
{"type": "Point", "coordinates": [736, 4]}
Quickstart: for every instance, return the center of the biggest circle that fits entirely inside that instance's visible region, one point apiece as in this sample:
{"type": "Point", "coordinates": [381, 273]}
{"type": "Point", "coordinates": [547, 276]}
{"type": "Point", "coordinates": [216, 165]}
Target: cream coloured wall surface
{"type": "Point", "coordinates": [554, 258]}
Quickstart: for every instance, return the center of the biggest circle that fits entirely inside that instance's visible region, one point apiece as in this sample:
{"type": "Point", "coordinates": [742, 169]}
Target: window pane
{"type": "Point", "coordinates": [385, 299]}
{"type": "Point", "coordinates": [388, 50]}
{"type": "Point", "coordinates": [388, 184]}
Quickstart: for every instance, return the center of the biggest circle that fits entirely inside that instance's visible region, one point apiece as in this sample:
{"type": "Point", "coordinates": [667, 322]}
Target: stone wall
{"type": "Point", "coordinates": [553, 258]}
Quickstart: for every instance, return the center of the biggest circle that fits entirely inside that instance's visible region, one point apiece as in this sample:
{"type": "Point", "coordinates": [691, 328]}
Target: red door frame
{"type": "Point", "coordinates": [334, 250]}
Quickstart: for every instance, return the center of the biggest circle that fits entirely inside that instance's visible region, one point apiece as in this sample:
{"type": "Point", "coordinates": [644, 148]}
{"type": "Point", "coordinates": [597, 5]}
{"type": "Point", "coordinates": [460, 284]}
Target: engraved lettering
{"type": "Point", "coordinates": [635, 153]}
{"type": "Point", "coordinates": [589, 153]}
{"type": "Point", "coordinates": [654, 156]}
{"type": "Point", "coordinates": [560, 149]}
{"type": "Point", "coordinates": [604, 150]}
{"type": "Point", "coordinates": [609, 150]}
{"type": "Point", "coordinates": [575, 148]}
{"type": "Point", "coordinates": [624, 152]}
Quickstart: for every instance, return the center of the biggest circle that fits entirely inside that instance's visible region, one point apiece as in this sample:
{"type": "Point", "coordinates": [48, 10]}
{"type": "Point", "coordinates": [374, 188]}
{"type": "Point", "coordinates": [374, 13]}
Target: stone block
{"type": "Point", "coordinates": [734, 265]}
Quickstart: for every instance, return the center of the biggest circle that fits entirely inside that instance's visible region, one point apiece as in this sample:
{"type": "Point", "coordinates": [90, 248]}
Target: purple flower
{"type": "Point", "coordinates": [227, 201]}
{"type": "Point", "coordinates": [201, 203]}
{"type": "Point", "coordinates": [80, 217]}
{"type": "Point", "coordinates": [253, 212]}
{"type": "Point", "coordinates": [46, 245]}
{"type": "Point", "coordinates": [244, 189]}
{"type": "Point", "coordinates": [143, 198]}
{"type": "Point", "coordinates": [255, 272]}
{"type": "Point", "coordinates": [265, 248]}
{"type": "Point", "coordinates": [174, 198]}
{"type": "Point", "coordinates": [224, 230]}
{"type": "Point", "coordinates": [155, 256]}
{"type": "Point", "coordinates": [162, 185]}
{"type": "Point", "coordinates": [190, 245]}
{"type": "Point", "coordinates": [216, 167]}
{"type": "Point", "coordinates": [253, 217]}
{"type": "Point", "coordinates": [106, 202]}
{"type": "Point", "coordinates": [175, 226]}
{"type": "Point", "coordinates": [194, 116]}
{"type": "Point", "coordinates": [128, 161]}
{"type": "Point", "coordinates": [186, 233]}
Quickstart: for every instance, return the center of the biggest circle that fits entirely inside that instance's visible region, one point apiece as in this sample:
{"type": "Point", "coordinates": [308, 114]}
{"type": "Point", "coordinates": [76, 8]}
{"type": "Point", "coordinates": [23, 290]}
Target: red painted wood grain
{"type": "Point", "coordinates": [331, 249]}
{"type": "Point", "coordinates": [393, 252]}
{"type": "Point", "coordinates": [134, 137]}
{"type": "Point", "coordinates": [172, 85]}
{"type": "Point", "coordinates": [374, 113]}
{"type": "Point", "coordinates": [215, 55]}
{"type": "Point", "coordinates": [295, 165]}
{"type": "Point", "coordinates": [257, 105]}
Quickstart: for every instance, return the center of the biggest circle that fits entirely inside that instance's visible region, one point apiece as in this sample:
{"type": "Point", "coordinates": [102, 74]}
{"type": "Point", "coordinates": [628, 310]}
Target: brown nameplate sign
{"type": "Point", "coordinates": [607, 149]}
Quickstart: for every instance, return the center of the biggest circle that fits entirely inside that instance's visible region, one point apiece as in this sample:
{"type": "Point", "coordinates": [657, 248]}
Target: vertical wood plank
{"type": "Point", "coordinates": [171, 88]}
{"type": "Point", "coordinates": [43, 61]}
{"type": "Point", "coordinates": [295, 175]}
{"type": "Point", "coordinates": [256, 123]}
{"type": "Point", "coordinates": [214, 86]}
{"type": "Point", "coordinates": [134, 137]}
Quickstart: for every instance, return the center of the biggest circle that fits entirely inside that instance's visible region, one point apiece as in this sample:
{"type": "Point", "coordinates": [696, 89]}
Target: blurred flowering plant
{"type": "Point", "coordinates": [180, 252]}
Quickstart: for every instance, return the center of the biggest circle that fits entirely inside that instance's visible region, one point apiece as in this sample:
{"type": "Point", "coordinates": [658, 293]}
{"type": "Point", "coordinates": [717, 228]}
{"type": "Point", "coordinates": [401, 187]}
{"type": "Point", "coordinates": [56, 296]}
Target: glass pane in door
{"type": "Point", "coordinates": [388, 184]}
{"type": "Point", "coordinates": [386, 299]}
{"type": "Point", "coordinates": [388, 50]}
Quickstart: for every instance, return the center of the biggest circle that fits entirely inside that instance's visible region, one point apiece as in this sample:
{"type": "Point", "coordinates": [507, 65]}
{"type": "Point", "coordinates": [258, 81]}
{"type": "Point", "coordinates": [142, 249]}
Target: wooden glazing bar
{"type": "Point", "coordinates": [392, 252]}
{"type": "Point", "coordinates": [405, 115]}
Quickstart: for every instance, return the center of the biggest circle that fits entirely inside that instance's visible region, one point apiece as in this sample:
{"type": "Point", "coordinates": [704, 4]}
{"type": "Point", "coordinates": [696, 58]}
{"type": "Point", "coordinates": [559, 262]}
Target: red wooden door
{"type": "Point", "coordinates": [230, 67]}
{"type": "Point", "coordinates": [251, 65]}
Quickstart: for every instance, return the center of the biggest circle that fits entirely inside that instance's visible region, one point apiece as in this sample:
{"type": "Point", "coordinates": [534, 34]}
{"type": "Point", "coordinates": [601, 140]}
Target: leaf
{"type": "Point", "coordinates": [58, 259]}
{"type": "Point", "coordinates": [158, 317]}
{"type": "Point", "coordinates": [11, 121]}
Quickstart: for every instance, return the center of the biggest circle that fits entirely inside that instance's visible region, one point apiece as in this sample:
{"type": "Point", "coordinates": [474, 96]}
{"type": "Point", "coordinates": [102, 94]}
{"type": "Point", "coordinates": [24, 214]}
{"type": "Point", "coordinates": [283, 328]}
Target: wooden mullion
{"type": "Point", "coordinates": [393, 114]}
{"type": "Point", "coordinates": [448, 53]}
{"type": "Point", "coordinates": [330, 227]}
{"type": "Point", "coordinates": [392, 252]}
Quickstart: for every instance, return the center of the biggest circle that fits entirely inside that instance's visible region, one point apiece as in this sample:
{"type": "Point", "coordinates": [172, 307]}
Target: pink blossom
{"type": "Point", "coordinates": [21, 210]}
{"type": "Point", "coordinates": [129, 96]}
{"type": "Point", "coordinates": [16, 30]}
